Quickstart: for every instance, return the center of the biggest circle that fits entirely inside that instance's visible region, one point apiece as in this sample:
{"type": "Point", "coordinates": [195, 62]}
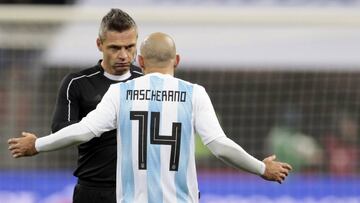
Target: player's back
{"type": "Point", "coordinates": [156, 163]}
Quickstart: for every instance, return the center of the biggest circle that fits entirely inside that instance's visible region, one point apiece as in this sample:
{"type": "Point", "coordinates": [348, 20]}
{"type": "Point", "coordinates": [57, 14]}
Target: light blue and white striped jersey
{"type": "Point", "coordinates": [156, 117]}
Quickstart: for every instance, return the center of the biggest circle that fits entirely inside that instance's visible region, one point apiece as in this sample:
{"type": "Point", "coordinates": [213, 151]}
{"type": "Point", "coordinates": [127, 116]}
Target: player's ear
{"type": "Point", "coordinates": [177, 60]}
{"type": "Point", "coordinates": [134, 57]}
{"type": "Point", "coordinates": [141, 62]}
{"type": "Point", "coordinates": [99, 44]}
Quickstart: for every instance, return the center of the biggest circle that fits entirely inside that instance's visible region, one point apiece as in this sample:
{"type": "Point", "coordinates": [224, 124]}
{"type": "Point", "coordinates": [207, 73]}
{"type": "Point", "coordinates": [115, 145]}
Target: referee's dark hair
{"type": "Point", "coordinates": [116, 20]}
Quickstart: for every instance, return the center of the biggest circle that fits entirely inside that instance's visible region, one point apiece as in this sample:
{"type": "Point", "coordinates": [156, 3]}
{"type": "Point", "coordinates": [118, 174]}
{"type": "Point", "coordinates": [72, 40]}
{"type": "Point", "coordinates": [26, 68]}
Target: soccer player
{"type": "Point", "coordinates": [156, 117]}
{"type": "Point", "coordinates": [79, 94]}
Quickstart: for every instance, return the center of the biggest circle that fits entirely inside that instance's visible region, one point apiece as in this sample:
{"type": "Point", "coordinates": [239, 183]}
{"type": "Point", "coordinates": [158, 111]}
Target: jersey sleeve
{"type": "Point", "coordinates": [205, 120]}
{"type": "Point", "coordinates": [67, 105]}
{"type": "Point", "coordinates": [104, 117]}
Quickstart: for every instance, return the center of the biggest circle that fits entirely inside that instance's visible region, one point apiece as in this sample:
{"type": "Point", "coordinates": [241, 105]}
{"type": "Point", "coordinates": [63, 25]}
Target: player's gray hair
{"type": "Point", "coordinates": [116, 20]}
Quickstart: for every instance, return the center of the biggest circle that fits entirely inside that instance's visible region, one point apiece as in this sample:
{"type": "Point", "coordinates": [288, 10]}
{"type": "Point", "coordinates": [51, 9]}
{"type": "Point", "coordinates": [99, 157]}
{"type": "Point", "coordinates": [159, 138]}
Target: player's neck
{"type": "Point", "coordinates": [164, 70]}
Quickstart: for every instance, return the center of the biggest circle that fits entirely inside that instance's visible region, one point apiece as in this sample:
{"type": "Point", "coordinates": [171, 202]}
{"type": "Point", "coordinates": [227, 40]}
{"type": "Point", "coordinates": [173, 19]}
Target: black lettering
{"type": "Point", "coordinates": [164, 96]}
{"type": "Point", "coordinates": [158, 93]}
{"type": "Point", "coordinates": [142, 95]}
{"type": "Point", "coordinates": [183, 96]}
{"type": "Point", "coordinates": [153, 95]}
{"type": "Point", "coordinates": [171, 96]}
{"type": "Point", "coordinates": [136, 95]}
{"type": "Point", "coordinates": [177, 96]}
{"type": "Point", "coordinates": [147, 94]}
{"type": "Point", "coordinates": [142, 117]}
{"type": "Point", "coordinates": [128, 94]}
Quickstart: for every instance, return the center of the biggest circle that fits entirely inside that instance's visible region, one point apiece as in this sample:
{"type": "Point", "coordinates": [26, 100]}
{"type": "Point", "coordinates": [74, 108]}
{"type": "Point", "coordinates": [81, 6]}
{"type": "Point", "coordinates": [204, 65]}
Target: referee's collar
{"type": "Point", "coordinates": [125, 76]}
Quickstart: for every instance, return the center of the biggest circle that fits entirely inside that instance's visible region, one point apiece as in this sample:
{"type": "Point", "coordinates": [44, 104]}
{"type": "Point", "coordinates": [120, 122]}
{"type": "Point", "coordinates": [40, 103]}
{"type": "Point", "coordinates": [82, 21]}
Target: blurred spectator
{"type": "Point", "coordinates": [290, 144]}
{"type": "Point", "coordinates": [342, 144]}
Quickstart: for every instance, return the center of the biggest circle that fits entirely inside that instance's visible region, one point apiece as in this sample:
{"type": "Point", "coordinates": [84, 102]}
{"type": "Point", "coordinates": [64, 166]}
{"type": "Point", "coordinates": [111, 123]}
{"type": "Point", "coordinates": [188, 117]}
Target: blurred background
{"type": "Point", "coordinates": [283, 75]}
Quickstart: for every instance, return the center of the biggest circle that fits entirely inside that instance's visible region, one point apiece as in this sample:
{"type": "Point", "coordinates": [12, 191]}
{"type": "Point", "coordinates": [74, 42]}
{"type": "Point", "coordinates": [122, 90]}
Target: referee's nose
{"type": "Point", "coordinates": [122, 54]}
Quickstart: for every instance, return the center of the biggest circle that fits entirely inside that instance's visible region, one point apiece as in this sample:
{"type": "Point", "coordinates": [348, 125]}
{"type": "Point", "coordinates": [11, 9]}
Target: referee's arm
{"type": "Point", "coordinates": [67, 105]}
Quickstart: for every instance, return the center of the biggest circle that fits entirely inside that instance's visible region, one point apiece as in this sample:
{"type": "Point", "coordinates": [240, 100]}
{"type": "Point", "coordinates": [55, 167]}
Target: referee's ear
{"type": "Point", "coordinates": [99, 44]}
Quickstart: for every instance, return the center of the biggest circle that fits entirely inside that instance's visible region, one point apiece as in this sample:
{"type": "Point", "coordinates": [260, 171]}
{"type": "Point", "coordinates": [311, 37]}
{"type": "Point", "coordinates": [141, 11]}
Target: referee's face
{"type": "Point", "coordinates": [119, 50]}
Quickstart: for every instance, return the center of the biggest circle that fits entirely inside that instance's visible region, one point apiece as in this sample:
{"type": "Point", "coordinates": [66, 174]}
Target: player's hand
{"type": "Point", "coordinates": [274, 170]}
{"type": "Point", "coordinates": [23, 146]}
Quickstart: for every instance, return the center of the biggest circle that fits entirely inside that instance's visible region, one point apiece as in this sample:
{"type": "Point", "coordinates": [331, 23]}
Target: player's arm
{"type": "Point", "coordinates": [28, 144]}
{"type": "Point", "coordinates": [100, 120]}
{"type": "Point", "coordinates": [67, 104]}
{"type": "Point", "coordinates": [232, 154]}
{"type": "Point", "coordinates": [212, 135]}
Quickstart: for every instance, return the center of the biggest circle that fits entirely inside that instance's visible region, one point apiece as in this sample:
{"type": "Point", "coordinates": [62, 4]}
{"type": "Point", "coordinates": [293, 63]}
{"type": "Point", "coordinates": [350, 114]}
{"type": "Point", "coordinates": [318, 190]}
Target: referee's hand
{"type": "Point", "coordinates": [275, 170]}
{"type": "Point", "coordinates": [23, 146]}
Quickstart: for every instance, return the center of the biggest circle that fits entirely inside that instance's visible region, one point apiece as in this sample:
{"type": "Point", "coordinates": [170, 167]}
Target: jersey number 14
{"type": "Point", "coordinates": [155, 138]}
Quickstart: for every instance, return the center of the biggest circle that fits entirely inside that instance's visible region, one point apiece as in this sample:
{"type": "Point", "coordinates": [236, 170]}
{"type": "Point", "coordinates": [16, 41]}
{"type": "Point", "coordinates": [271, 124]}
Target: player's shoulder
{"type": "Point", "coordinates": [195, 86]}
{"type": "Point", "coordinates": [186, 82]}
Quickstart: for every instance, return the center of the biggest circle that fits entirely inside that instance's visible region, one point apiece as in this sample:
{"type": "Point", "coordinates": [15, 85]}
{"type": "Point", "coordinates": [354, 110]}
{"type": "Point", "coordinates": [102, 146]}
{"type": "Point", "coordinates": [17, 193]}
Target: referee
{"type": "Point", "coordinates": [81, 92]}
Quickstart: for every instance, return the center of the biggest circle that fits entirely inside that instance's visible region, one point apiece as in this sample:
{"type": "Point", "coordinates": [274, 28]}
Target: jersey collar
{"type": "Point", "coordinates": [160, 74]}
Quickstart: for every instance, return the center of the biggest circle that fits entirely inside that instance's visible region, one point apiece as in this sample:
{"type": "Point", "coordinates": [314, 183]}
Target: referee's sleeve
{"type": "Point", "coordinates": [104, 117]}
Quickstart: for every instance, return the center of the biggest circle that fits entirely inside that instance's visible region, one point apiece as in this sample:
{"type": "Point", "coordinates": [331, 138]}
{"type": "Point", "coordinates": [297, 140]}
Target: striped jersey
{"type": "Point", "coordinates": [156, 117]}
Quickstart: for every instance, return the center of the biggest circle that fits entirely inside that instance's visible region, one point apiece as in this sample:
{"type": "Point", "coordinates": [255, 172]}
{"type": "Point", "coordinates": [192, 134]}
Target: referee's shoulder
{"type": "Point", "coordinates": [136, 71]}
{"type": "Point", "coordinates": [83, 73]}
{"type": "Point", "coordinates": [88, 71]}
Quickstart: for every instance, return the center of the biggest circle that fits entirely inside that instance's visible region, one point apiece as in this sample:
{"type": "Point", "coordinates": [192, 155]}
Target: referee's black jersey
{"type": "Point", "coordinates": [78, 95]}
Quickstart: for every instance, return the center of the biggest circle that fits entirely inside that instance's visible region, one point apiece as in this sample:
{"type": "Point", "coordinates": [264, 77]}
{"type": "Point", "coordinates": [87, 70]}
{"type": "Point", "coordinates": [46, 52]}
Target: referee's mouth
{"type": "Point", "coordinates": [121, 65]}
